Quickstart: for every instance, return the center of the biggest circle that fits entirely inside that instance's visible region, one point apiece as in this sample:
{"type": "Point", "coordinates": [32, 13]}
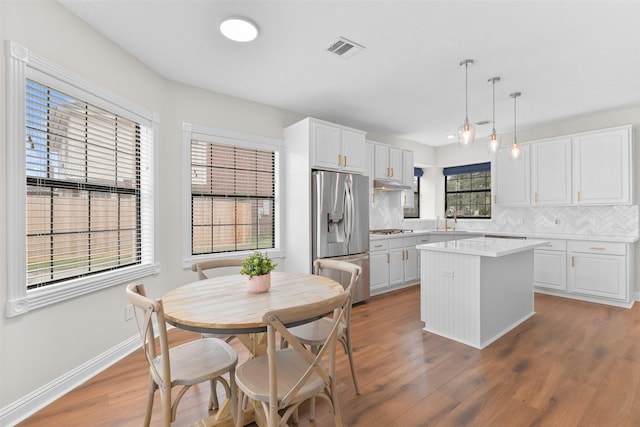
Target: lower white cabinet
{"type": "Point", "coordinates": [393, 263]}
{"type": "Point", "coordinates": [588, 270]}
{"type": "Point", "coordinates": [599, 269]}
{"type": "Point", "coordinates": [550, 265]}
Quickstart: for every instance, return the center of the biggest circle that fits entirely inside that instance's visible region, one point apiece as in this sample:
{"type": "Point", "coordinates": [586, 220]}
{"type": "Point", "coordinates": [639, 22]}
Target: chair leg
{"type": "Point", "coordinates": [150, 395]}
{"type": "Point", "coordinates": [239, 417]}
{"type": "Point", "coordinates": [167, 412]}
{"type": "Point", "coordinates": [235, 413]}
{"type": "Point", "coordinates": [351, 364]}
{"type": "Point", "coordinates": [337, 417]}
{"type": "Point", "coordinates": [213, 398]}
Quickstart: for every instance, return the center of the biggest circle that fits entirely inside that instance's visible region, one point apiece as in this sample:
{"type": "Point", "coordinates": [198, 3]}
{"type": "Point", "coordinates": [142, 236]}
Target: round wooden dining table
{"type": "Point", "coordinates": [222, 305]}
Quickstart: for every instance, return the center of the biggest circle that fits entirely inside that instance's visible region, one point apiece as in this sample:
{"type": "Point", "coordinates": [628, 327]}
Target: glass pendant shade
{"type": "Point", "coordinates": [515, 147]}
{"type": "Point", "coordinates": [494, 142]}
{"type": "Point", "coordinates": [466, 134]}
{"type": "Point", "coordinates": [515, 150]}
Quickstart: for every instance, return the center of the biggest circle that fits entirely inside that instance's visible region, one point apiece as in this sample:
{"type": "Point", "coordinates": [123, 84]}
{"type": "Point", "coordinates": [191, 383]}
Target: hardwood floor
{"type": "Point", "coordinates": [572, 364]}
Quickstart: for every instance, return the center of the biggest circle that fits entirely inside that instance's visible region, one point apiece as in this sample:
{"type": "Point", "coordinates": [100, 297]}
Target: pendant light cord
{"type": "Point", "coordinates": [466, 92]}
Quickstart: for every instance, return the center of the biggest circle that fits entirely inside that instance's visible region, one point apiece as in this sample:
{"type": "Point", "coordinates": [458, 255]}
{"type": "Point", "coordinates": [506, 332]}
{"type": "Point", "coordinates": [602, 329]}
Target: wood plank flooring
{"type": "Point", "coordinates": [572, 364]}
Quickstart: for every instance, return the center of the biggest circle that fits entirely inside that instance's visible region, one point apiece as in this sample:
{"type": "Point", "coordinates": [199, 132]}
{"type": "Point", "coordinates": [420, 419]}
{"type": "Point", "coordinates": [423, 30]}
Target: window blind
{"type": "Point", "coordinates": [84, 181]}
{"type": "Point", "coordinates": [233, 191]}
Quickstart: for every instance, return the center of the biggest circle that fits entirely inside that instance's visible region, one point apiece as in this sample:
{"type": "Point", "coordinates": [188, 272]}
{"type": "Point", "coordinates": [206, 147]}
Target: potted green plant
{"type": "Point", "coordinates": [258, 266]}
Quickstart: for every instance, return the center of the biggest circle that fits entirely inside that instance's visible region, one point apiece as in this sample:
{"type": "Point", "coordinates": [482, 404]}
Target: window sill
{"type": "Point", "coordinates": [53, 294]}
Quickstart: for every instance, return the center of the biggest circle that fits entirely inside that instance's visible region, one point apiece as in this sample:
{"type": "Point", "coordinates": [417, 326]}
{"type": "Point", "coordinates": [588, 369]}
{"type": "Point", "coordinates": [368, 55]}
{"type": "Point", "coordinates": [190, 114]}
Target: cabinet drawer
{"type": "Point", "coordinates": [554, 245]}
{"type": "Point", "coordinates": [410, 242]}
{"type": "Point", "coordinates": [379, 245]}
{"type": "Point", "coordinates": [396, 243]}
{"type": "Point", "coordinates": [608, 248]}
{"type": "Point", "coordinates": [423, 240]}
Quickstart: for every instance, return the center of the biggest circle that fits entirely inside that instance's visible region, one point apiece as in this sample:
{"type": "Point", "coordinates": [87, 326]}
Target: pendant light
{"type": "Point", "coordinates": [494, 141]}
{"type": "Point", "coordinates": [515, 147]}
{"type": "Point", "coordinates": [466, 132]}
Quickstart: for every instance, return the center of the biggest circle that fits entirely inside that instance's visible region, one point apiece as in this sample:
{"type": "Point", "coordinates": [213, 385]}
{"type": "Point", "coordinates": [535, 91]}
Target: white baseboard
{"type": "Point", "coordinates": [38, 399]}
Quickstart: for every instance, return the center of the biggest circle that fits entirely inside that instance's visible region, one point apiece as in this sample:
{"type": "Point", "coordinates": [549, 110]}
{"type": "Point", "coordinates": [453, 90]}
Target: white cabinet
{"type": "Point", "coordinates": [388, 163]}
{"type": "Point", "coordinates": [550, 266]}
{"type": "Point", "coordinates": [599, 269]}
{"type": "Point", "coordinates": [337, 148]}
{"type": "Point", "coordinates": [512, 179]}
{"type": "Point", "coordinates": [602, 167]}
{"type": "Point", "coordinates": [551, 172]}
{"type": "Point", "coordinates": [407, 179]}
{"type": "Point", "coordinates": [393, 263]}
{"type": "Point", "coordinates": [590, 168]}
{"type": "Point", "coordinates": [379, 265]}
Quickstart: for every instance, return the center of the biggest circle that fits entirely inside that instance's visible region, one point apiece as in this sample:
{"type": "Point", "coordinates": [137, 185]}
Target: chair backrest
{"type": "Point", "coordinates": [145, 310]}
{"type": "Point", "coordinates": [321, 266]}
{"type": "Point", "coordinates": [200, 267]}
{"type": "Point", "coordinates": [277, 320]}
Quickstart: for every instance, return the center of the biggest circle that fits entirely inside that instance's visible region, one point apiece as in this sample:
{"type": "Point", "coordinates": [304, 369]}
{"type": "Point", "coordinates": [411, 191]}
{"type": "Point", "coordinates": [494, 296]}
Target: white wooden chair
{"type": "Point", "coordinates": [201, 268]}
{"type": "Point", "coordinates": [314, 333]}
{"type": "Point", "coordinates": [187, 364]}
{"type": "Point", "coordinates": [284, 378]}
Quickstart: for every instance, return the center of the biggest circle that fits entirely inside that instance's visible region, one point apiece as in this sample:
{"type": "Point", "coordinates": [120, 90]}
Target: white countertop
{"type": "Point", "coordinates": [483, 246]}
{"type": "Point", "coordinates": [528, 235]}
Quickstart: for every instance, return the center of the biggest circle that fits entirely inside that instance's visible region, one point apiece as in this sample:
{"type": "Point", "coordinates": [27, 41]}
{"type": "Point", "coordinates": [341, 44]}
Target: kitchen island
{"type": "Point", "coordinates": [476, 290]}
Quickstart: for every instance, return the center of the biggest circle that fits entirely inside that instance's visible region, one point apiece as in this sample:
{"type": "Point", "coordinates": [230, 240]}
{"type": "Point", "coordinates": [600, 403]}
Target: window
{"type": "Point", "coordinates": [82, 184]}
{"type": "Point", "coordinates": [468, 190]}
{"type": "Point", "coordinates": [414, 212]}
{"type": "Point", "coordinates": [233, 203]}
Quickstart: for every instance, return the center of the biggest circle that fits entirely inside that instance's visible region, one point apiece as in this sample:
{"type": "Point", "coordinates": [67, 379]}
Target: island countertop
{"type": "Point", "coordinates": [483, 246]}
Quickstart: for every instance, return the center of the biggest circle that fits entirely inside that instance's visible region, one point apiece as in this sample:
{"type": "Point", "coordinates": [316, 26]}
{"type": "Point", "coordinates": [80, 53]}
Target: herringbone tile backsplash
{"type": "Point", "coordinates": [577, 220]}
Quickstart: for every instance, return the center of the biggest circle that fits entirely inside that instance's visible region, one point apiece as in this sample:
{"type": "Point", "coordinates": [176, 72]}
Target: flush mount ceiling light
{"type": "Point", "coordinates": [239, 29]}
{"type": "Point", "coordinates": [494, 142]}
{"type": "Point", "coordinates": [466, 132]}
{"type": "Point", "coordinates": [515, 147]}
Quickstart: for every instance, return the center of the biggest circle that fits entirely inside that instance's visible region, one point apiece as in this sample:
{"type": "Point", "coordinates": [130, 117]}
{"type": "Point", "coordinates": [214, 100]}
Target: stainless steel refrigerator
{"type": "Point", "coordinates": [340, 221]}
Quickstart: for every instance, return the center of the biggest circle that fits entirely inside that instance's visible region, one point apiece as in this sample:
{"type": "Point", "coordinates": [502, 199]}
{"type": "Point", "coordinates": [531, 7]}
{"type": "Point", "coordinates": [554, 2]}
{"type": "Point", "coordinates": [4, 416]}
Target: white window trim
{"type": "Point", "coordinates": [20, 62]}
{"type": "Point", "coordinates": [207, 134]}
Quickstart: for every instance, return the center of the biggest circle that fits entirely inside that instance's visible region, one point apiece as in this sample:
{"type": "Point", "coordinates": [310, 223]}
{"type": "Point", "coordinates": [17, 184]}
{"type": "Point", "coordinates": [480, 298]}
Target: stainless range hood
{"type": "Point", "coordinates": [389, 186]}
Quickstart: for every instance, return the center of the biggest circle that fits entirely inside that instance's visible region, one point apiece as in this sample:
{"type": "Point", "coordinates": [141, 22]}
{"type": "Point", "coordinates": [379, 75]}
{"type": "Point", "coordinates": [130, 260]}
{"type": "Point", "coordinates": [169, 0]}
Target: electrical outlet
{"type": "Point", "coordinates": [128, 312]}
{"type": "Point", "coordinates": [447, 274]}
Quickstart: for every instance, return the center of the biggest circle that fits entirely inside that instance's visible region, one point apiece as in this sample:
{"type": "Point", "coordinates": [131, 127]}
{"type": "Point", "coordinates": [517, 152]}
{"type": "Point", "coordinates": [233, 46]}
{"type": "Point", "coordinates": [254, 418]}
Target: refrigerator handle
{"type": "Point", "coordinates": [348, 214]}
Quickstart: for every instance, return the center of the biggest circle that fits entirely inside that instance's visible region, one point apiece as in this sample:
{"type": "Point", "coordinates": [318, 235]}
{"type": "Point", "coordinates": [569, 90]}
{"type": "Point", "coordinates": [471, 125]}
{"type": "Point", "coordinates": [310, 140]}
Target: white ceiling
{"type": "Point", "coordinates": [568, 58]}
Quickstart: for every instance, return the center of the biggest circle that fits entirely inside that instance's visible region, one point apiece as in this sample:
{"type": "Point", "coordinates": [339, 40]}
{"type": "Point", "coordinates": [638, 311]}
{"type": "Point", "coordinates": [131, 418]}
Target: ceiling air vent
{"type": "Point", "coordinates": [344, 48]}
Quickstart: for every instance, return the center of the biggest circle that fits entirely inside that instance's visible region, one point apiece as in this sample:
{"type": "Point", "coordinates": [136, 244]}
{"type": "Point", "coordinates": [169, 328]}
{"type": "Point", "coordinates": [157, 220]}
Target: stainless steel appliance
{"type": "Point", "coordinates": [340, 221]}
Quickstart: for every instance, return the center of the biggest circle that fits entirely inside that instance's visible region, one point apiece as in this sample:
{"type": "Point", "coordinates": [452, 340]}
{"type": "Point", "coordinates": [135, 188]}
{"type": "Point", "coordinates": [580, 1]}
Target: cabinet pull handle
{"type": "Point", "coordinates": [379, 246]}
{"type": "Point", "coordinates": [596, 248]}
{"type": "Point", "coordinates": [339, 159]}
{"type": "Point", "coordinates": [573, 264]}
{"type": "Point", "coordinates": [578, 196]}
{"type": "Point", "coordinates": [392, 172]}
{"type": "Point", "coordinates": [345, 161]}
{"type": "Point", "coordinates": [495, 200]}
{"type": "Point", "coordinates": [373, 198]}
{"type": "Point", "coordinates": [536, 198]}
{"type": "Point", "coordinates": [405, 199]}
{"type": "Point", "coordinates": [424, 241]}
{"type": "Point", "coordinates": [387, 258]}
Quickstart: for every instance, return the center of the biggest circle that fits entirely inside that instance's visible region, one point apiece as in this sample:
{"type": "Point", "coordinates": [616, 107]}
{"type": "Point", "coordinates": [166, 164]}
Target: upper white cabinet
{"type": "Point", "coordinates": [512, 185]}
{"type": "Point", "coordinates": [602, 167]}
{"type": "Point", "coordinates": [388, 163]}
{"type": "Point", "coordinates": [591, 168]}
{"type": "Point", "coordinates": [551, 172]}
{"type": "Point", "coordinates": [407, 179]}
{"type": "Point", "coordinates": [337, 148]}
